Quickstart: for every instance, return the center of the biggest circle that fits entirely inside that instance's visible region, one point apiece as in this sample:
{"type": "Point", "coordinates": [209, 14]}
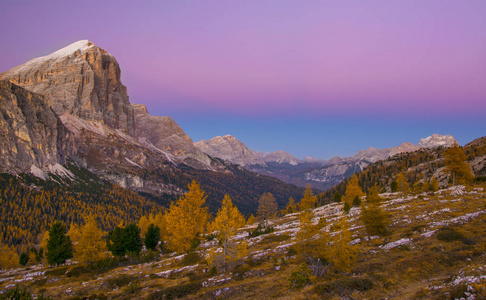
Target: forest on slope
{"type": "Point", "coordinates": [419, 168]}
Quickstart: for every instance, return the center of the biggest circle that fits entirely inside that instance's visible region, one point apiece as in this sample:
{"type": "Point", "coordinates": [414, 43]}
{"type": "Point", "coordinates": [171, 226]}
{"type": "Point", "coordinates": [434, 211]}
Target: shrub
{"type": "Point", "coordinates": [190, 259]}
{"type": "Point", "coordinates": [344, 286]}
{"type": "Point", "coordinates": [292, 251]}
{"type": "Point", "coordinates": [176, 292]}
{"type": "Point", "coordinates": [121, 280]}
{"type": "Point", "coordinates": [57, 271]}
{"type": "Point", "coordinates": [240, 271]}
{"type": "Point", "coordinates": [259, 231]}
{"type": "Point", "coordinates": [276, 238]}
{"type": "Point", "coordinates": [76, 271]}
{"type": "Point", "coordinates": [448, 234]}
{"type": "Point", "coordinates": [300, 278]}
{"type": "Point", "coordinates": [19, 294]}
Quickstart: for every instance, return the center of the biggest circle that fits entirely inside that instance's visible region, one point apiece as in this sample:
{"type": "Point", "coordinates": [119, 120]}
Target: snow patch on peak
{"type": "Point", "coordinates": [70, 49]}
{"type": "Point", "coordinates": [82, 45]}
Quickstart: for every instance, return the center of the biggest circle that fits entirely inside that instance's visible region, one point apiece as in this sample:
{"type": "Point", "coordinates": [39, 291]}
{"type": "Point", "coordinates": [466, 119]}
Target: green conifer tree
{"type": "Point", "coordinates": [132, 239]}
{"type": "Point", "coordinates": [152, 237]}
{"type": "Point", "coordinates": [59, 246]}
{"type": "Point", "coordinates": [115, 241]}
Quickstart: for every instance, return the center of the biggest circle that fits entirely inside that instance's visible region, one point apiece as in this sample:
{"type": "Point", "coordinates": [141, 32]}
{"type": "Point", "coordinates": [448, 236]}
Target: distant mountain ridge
{"type": "Point", "coordinates": [320, 174]}
{"type": "Point", "coordinates": [71, 104]}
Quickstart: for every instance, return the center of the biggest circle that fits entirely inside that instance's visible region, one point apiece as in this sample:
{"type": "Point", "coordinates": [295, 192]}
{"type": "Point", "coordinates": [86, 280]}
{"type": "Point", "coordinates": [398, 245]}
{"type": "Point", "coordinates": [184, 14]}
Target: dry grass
{"type": "Point", "coordinates": [424, 267]}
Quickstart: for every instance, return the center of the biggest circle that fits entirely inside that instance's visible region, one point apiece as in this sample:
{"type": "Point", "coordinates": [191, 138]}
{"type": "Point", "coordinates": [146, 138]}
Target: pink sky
{"type": "Point", "coordinates": [256, 60]}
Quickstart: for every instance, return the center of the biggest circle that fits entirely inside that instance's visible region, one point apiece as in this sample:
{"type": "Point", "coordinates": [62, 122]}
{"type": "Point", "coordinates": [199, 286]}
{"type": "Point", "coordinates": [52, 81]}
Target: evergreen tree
{"type": "Point", "coordinates": [456, 165]}
{"type": "Point", "coordinates": [152, 237]}
{"type": "Point", "coordinates": [59, 246]}
{"type": "Point", "coordinates": [132, 240]}
{"type": "Point", "coordinates": [346, 207]}
{"type": "Point", "coordinates": [337, 197]}
{"type": "Point", "coordinates": [24, 258]}
{"type": "Point", "coordinates": [267, 209]}
{"type": "Point", "coordinates": [187, 219]}
{"type": "Point", "coordinates": [116, 241]}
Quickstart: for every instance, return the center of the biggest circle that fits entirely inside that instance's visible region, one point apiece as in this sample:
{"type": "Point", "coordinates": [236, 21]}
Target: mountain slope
{"type": "Point", "coordinates": [92, 123]}
{"type": "Point", "coordinates": [416, 260]}
{"type": "Point", "coordinates": [419, 167]}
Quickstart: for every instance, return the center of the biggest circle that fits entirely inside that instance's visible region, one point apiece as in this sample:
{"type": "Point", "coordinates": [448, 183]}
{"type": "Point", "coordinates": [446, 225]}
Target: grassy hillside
{"type": "Point", "coordinates": [435, 250]}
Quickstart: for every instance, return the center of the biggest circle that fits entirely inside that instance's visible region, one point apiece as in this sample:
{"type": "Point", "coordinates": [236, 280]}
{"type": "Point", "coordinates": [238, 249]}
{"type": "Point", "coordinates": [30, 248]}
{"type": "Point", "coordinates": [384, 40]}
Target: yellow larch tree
{"type": "Point", "coordinates": [312, 244]}
{"type": "Point", "coordinates": [267, 209]}
{"type": "Point", "coordinates": [251, 220]}
{"type": "Point", "coordinates": [186, 219]}
{"type": "Point", "coordinates": [143, 224]}
{"type": "Point", "coordinates": [403, 184]}
{"type": "Point", "coordinates": [343, 255]}
{"type": "Point", "coordinates": [226, 223]}
{"type": "Point", "coordinates": [309, 201]}
{"type": "Point", "coordinates": [291, 206]}
{"type": "Point", "coordinates": [457, 166]}
{"type": "Point", "coordinates": [9, 258]}
{"type": "Point", "coordinates": [352, 190]}
{"type": "Point", "coordinates": [90, 246]}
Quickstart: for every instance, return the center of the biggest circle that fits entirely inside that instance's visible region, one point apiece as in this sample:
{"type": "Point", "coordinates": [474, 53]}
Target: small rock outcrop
{"type": "Point", "coordinates": [33, 138]}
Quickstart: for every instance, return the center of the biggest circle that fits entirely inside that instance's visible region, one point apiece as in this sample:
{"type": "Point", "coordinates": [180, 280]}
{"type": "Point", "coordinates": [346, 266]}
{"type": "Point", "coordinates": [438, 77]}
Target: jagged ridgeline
{"type": "Point", "coordinates": [419, 167]}
{"type": "Point", "coordinates": [71, 143]}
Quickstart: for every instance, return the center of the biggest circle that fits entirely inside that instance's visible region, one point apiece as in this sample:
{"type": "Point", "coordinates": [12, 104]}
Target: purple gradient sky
{"type": "Point", "coordinates": [319, 78]}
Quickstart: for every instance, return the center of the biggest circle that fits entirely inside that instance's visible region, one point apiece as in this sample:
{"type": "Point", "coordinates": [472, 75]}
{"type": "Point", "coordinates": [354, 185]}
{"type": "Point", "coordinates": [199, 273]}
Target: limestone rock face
{"type": "Point", "coordinates": [437, 140]}
{"type": "Point", "coordinates": [165, 134]}
{"type": "Point", "coordinates": [82, 80]}
{"type": "Point", "coordinates": [32, 137]}
{"type": "Point", "coordinates": [231, 149]}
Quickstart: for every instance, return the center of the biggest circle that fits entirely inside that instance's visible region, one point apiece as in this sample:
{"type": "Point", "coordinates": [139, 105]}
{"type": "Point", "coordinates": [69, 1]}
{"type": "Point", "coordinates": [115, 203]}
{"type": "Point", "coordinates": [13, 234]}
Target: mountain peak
{"type": "Point", "coordinates": [437, 140]}
{"type": "Point", "coordinates": [82, 45]}
{"type": "Point", "coordinates": [82, 80]}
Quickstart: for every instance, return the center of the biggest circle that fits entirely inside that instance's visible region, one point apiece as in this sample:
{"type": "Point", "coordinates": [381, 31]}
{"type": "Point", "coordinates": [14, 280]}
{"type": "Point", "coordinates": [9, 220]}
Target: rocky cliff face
{"type": "Point", "coordinates": [231, 149]}
{"type": "Point", "coordinates": [164, 134]}
{"type": "Point", "coordinates": [32, 137]}
{"type": "Point", "coordinates": [82, 80]}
